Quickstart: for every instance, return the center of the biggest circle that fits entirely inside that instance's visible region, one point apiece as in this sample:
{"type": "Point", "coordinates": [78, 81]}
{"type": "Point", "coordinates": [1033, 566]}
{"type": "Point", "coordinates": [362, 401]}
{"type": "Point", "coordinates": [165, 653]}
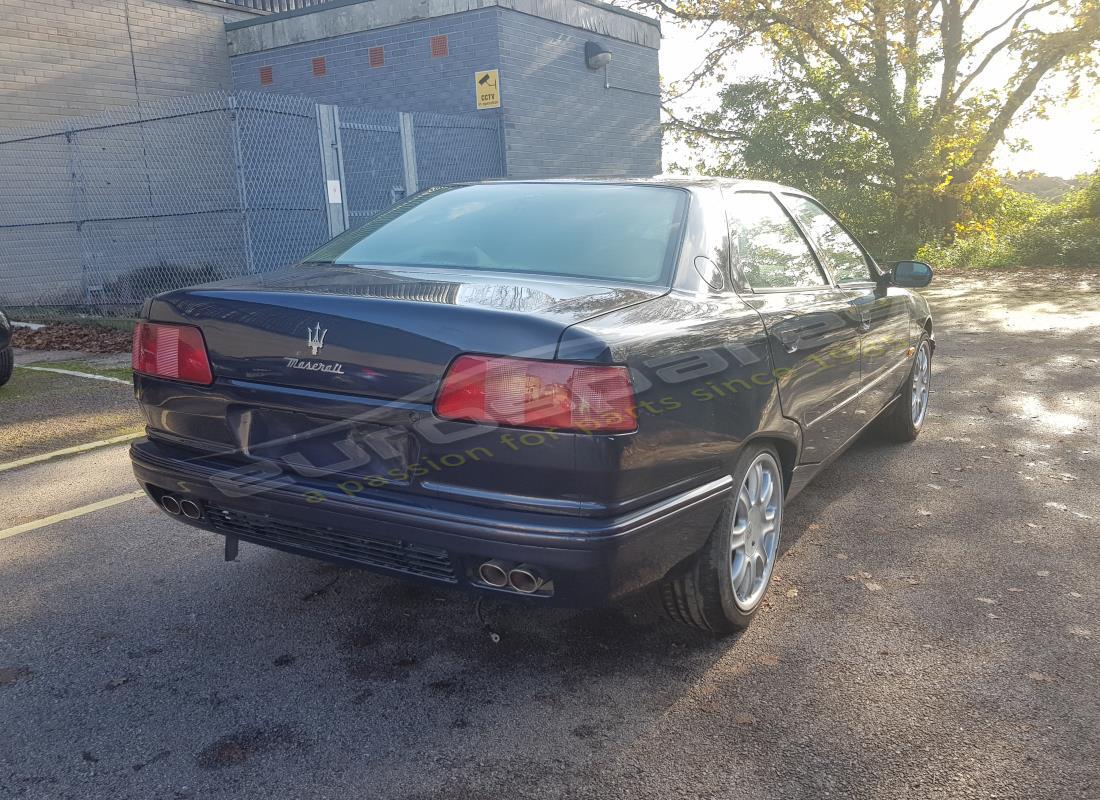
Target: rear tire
{"type": "Point", "coordinates": [720, 589]}
{"type": "Point", "coordinates": [905, 419]}
{"type": "Point", "coordinates": [7, 363]}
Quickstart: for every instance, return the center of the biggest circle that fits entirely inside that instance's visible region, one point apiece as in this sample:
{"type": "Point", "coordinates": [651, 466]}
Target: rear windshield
{"type": "Point", "coordinates": [600, 231]}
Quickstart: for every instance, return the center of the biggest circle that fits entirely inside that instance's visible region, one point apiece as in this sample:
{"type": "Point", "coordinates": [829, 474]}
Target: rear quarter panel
{"type": "Point", "coordinates": [705, 385]}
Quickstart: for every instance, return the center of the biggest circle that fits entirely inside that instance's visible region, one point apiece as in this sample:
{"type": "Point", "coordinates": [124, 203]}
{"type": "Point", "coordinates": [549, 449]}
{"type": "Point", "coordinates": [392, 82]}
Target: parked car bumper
{"type": "Point", "coordinates": [588, 560]}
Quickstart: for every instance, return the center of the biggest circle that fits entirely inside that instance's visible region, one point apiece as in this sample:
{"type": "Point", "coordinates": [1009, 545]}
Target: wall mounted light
{"type": "Point", "coordinates": [596, 55]}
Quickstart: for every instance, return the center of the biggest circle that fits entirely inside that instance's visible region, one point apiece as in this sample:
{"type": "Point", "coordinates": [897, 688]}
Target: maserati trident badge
{"type": "Point", "coordinates": [316, 338]}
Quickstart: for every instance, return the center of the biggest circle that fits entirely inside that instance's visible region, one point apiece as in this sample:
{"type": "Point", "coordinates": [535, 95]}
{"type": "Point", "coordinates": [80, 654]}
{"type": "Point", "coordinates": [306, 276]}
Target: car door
{"type": "Point", "coordinates": [884, 311]}
{"type": "Point", "coordinates": [813, 329]}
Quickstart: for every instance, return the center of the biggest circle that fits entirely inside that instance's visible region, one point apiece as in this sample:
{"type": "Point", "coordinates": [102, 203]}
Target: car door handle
{"type": "Point", "coordinates": [789, 342]}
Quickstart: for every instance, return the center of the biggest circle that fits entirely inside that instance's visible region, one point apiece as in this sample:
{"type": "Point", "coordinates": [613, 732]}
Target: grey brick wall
{"type": "Point", "coordinates": [559, 119]}
{"type": "Point", "coordinates": [410, 79]}
{"type": "Point", "coordinates": [63, 58]}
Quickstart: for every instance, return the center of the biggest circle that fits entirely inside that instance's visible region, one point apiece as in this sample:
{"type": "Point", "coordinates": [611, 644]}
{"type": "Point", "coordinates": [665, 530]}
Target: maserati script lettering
{"type": "Point", "coordinates": [315, 366]}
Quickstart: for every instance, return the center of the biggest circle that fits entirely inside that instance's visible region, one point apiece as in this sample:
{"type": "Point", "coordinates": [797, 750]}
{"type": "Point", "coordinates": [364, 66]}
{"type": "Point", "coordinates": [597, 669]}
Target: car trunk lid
{"type": "Point", "coordinates": [387, 333]}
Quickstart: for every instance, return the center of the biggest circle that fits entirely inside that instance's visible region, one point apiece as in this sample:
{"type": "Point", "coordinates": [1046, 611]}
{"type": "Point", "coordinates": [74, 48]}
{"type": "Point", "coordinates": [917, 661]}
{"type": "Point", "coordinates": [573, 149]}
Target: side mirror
{"type": "Point", "coordinates": [910, 274]}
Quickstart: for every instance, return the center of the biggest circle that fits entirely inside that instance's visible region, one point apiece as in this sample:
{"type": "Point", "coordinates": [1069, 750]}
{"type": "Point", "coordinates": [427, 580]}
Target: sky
{"type": "Point", "coordinates": [1065, 144]}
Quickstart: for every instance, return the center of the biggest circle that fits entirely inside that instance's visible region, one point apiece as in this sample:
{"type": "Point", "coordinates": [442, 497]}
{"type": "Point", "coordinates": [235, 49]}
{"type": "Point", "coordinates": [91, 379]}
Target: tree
{"type": "Point", "coordinates": [894, 105]}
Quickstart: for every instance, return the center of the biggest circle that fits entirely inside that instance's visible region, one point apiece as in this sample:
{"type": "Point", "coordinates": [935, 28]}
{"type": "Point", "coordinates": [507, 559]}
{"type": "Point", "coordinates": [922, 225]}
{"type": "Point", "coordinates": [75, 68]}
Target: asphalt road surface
{"type": "Point", "coordinates": [932, 631]}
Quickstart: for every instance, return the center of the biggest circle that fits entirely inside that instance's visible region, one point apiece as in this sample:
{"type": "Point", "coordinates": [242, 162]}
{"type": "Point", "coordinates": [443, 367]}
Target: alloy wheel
{"type": "Point", "coordinates": [754, 539]}
{"type": "Point", "coordinates": [922, 375]}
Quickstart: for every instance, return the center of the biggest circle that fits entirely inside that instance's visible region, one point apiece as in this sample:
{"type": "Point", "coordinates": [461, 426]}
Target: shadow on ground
{"type": "Point", "coordinates": [931, 633]}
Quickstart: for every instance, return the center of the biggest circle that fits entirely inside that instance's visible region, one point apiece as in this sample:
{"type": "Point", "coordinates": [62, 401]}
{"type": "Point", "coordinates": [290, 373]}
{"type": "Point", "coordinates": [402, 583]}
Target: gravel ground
{"type": "Point", "coordinates": [932, 632]}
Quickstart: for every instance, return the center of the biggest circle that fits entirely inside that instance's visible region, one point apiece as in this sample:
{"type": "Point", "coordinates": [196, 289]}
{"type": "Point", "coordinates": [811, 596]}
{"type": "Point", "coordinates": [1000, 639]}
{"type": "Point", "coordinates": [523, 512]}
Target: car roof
{"type": "Point", "coordinates": [676, 181]}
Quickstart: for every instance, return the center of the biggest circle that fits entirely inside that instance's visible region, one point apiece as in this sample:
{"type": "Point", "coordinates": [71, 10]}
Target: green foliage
{"type": "Point", "coordinates": [1010, 228]}
{"type": "Point", "coordinates": [794, 144]}
{"type": "Point", "coordinates": [887, 110]}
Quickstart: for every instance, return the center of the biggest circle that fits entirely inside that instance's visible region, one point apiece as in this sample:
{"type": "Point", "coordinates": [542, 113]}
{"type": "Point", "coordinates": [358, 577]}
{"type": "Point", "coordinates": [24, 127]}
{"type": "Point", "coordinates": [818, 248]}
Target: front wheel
{"type": "Point", "coordinates": [721, 588]}
{"type": "Point", "coordinates": [904, 420]}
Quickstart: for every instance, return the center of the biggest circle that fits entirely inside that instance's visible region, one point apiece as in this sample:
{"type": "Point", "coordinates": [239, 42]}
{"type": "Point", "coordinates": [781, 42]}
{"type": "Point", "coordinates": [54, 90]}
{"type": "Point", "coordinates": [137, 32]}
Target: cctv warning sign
{"type": "Point", "coordinates": [487, 88]}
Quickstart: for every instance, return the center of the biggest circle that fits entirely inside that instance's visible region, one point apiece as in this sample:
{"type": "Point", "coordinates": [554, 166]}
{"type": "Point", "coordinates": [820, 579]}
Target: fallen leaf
{"type": "Point", "coordinates": [1014, 589]}
{"type": "Point", "coordinates": [987, 600]}
{"type": "Point", "coordinates": [872, 586]}
{"type": "Point", "coordinates": [924, 512]}
{"type": "Point", "coordinates": [744, 719]}
{"type": "Point", "coordinates": [1084, 633]}
{"type": "Point", "coordinates": [1041, 677]}
{"type": "Point", "coordinates": [842, 556]}
{"type": "Point", "coordinates": [1077, 595]}
{"type": "Point", "coordinates": [935, 486]}
{"type": "Point", "coordinates": [768, 660]}
{"type": "Point", "coordinates": [1043, 573]}
{"type": "Point", "coordinates": [792, 593]}
{"type": "Point", "coordinates": [115, 683]}
{"type": "Point", "coordinates": [1032, 525]}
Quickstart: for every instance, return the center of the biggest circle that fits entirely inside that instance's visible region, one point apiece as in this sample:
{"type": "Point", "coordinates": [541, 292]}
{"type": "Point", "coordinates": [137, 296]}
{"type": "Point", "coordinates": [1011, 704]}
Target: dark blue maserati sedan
{"type": "Point", "coordinates": [557, 391]}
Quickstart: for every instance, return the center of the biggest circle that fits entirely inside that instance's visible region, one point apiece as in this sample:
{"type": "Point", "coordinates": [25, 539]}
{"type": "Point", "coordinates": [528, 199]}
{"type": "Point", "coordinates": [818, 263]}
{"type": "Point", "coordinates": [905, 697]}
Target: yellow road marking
{"type": "Point", "coordinates": [73, 514]}
{"type": "Point", "coordinates": [68, 451]}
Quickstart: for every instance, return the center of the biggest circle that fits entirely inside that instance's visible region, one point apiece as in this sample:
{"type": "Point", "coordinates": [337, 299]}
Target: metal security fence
{"type": "Point", "coordinates": [281, 183]}
{"type": "Point", "coordinates": [98, 213]}
{"type": "Point", "coordinates": [374, 162]}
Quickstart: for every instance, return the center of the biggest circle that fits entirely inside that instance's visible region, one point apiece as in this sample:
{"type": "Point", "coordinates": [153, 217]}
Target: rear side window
{"type": "Point", "coordinates": [594, 231]}
{"type": "Point", "coordinates": [844, 256]}
{"type": "Point", "coordinates": [769, 249]}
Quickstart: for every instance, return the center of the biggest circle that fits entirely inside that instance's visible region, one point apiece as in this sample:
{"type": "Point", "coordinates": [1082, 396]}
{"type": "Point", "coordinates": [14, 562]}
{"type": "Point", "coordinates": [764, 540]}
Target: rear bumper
{"type": "Point", "coordinates": [591, 561]}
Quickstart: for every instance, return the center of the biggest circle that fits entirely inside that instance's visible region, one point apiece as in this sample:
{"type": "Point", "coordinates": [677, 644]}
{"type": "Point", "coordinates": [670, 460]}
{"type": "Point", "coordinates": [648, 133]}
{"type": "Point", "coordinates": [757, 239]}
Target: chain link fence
{"type": "Point", "coordinates": [99, 213]}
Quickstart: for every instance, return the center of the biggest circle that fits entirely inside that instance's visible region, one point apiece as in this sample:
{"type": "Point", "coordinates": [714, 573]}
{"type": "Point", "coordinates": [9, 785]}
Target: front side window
{"type": "Point", "coordinates": [845, 257]}
{"type": "Point", "coordinates": [595, 231]}
{"type": "Point", "coordinates": [768, 246]}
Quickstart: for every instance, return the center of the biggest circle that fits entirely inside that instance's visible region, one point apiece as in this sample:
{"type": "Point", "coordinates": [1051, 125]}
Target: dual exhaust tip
{"type": "Point", "coordinates": [176, 507]}
{"type": "Point", "coordinates": [525, 578]}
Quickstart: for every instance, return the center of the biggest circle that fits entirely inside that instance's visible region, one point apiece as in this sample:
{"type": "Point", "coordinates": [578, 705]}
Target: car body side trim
{"type": "Point", "coordinates": [861, 391]}
{"type": "Point", "coordinates": [803, 474]}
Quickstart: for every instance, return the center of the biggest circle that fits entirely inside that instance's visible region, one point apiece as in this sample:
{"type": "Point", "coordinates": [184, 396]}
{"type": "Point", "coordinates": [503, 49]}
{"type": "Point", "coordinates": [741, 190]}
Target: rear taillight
{"type": "Point", "coordinates": [538, 394]}
{"type": "Point", "coordinates": [177, 352]}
